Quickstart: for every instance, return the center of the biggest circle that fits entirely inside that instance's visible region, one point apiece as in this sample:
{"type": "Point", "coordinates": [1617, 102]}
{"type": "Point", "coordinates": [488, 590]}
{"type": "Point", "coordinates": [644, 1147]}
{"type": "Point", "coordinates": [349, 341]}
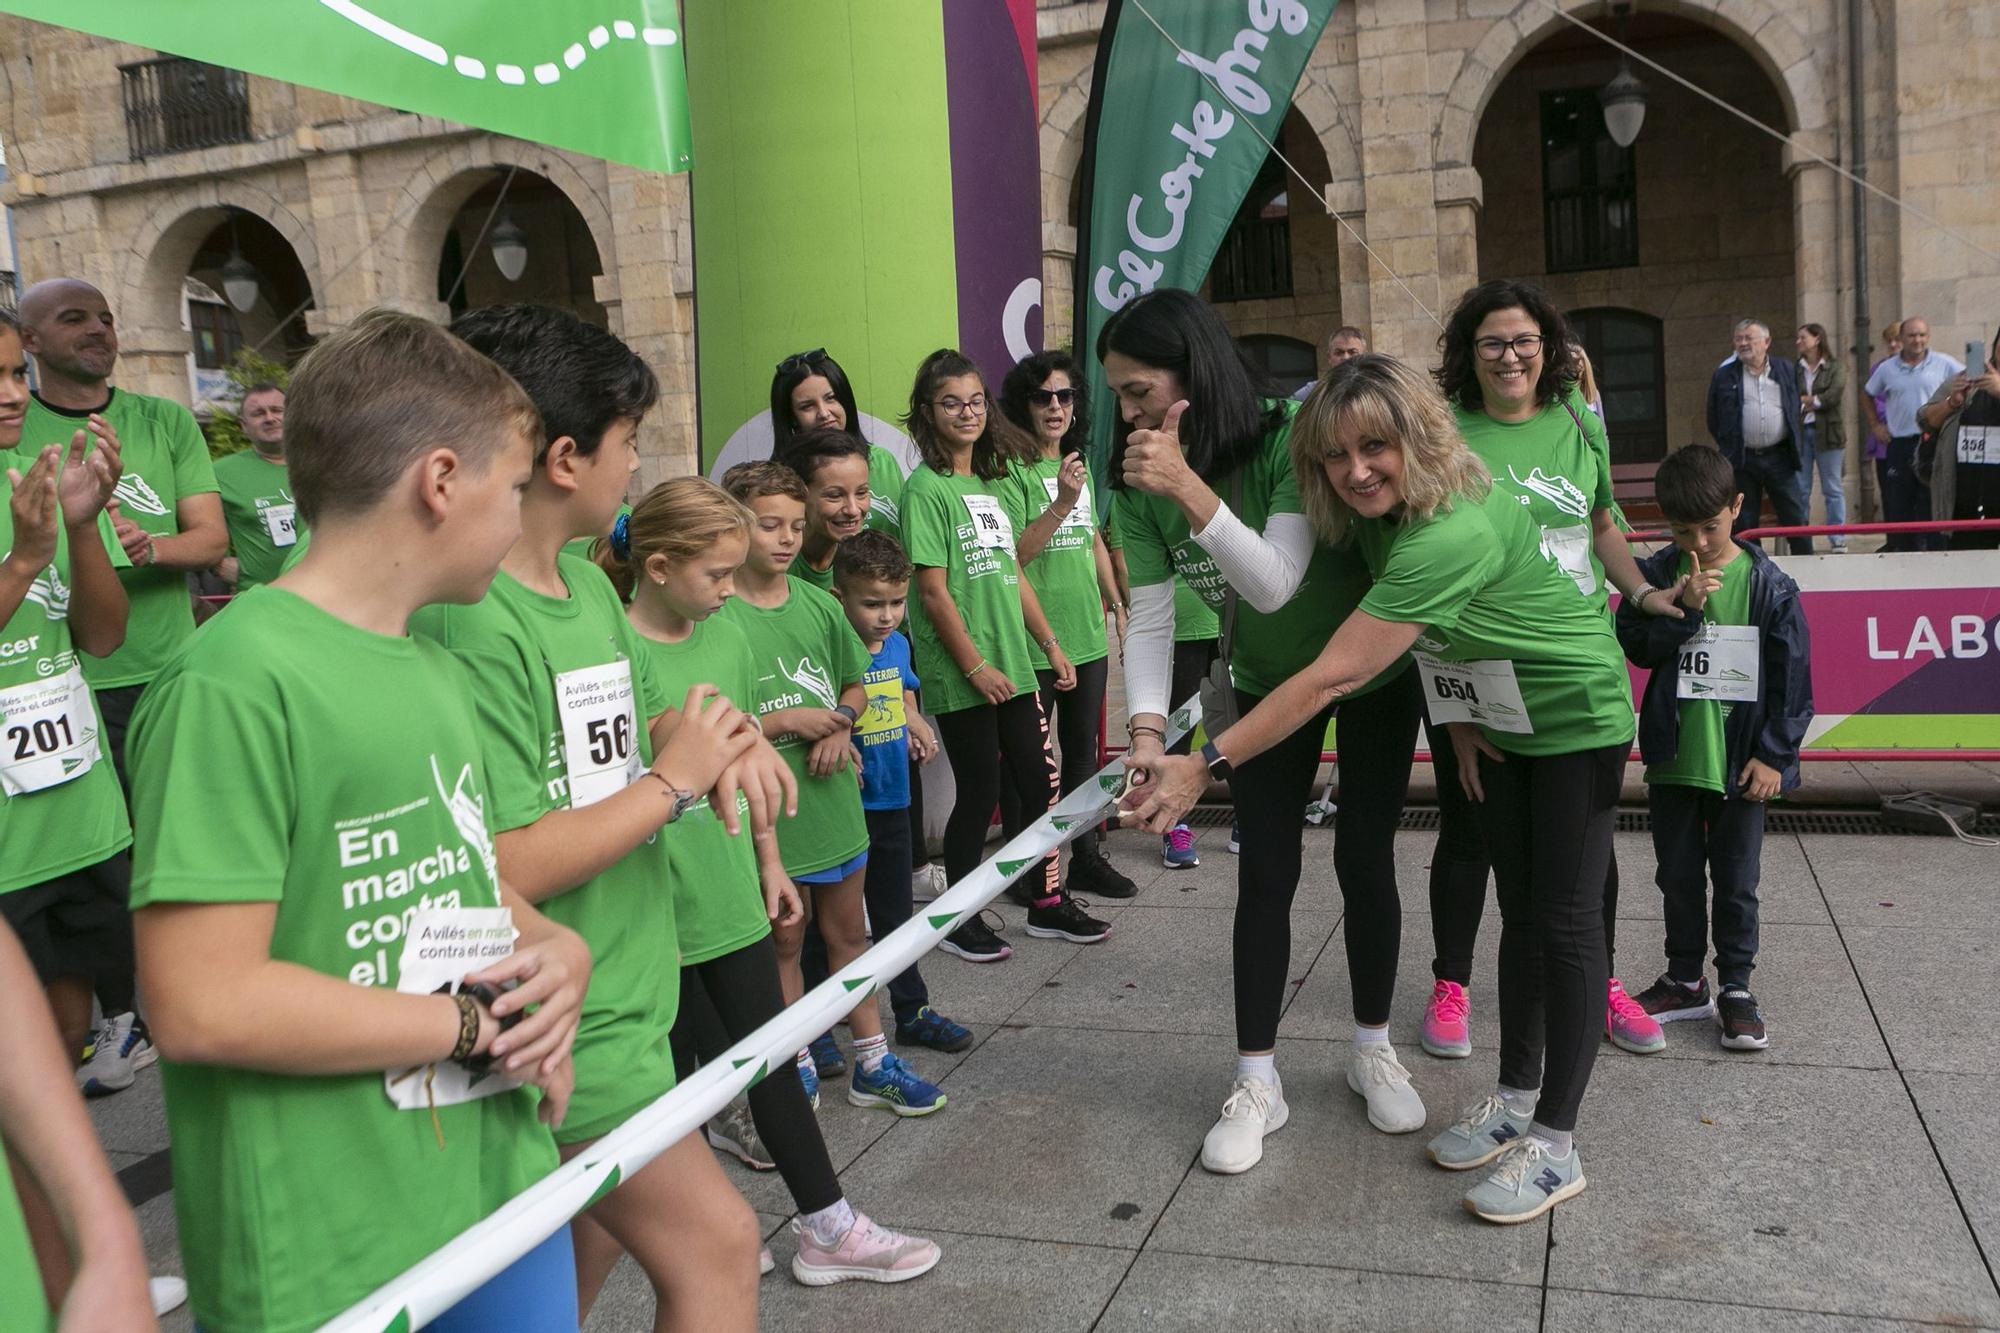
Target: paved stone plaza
{"type": "Point", "coordinates": [1846, 1178]}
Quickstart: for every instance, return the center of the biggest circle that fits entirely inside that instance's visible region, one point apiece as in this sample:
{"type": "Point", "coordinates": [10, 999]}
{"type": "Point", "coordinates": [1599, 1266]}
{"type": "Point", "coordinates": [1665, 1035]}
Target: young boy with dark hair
{"type": "Point", "coordinates": [871, 577]}
{"type": "Point", "coordinates": [1724, 714]}
{"type": "Point", "coordinates": [346, 995]}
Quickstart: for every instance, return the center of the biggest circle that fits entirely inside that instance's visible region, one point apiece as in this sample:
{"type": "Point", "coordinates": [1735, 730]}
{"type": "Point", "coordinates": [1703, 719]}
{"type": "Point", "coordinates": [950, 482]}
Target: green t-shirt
{"type": "Point", "coordinates": [1195, 621]}
{"type": "Point", "coordinates": [885, 485]}
{"type": "Point", "coordinates": [805, 653]}
{"type": "Point", "coordinates": [290, 758]}
{"type": "Point", "coordinates": [1702, 757]}
{"type": "Point", "coordinates": [166, 462]}
{"type": "Point", "coordinates": [1268, 648]}
{"type": "Point", "coordinates": [718, 893]}
{"type": "Point", "coordinates": [518, 646]}
{"type": "Point", "coordinates": [960, 525]}
{"type": "Point", "coordinates": [819, 578]}
{"type": "Point", "coordinates": [257, 506]}
{"type": "Point", "coordinates": [1474, 577]}
{"type": "Point", "coordinates": [20, 1278]}
{"type": "Point", "coordinates": [582, 547]}
{"type": "Point", "coordinates": [75, 821]}
{"type": "Point", "coordinates": [1064, 575]}
{"type": "Point", "coordinates": [1560, 473]}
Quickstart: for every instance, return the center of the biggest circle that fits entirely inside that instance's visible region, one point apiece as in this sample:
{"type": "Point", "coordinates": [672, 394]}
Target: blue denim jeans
{"type": "Point", "coordinates": [1829, 463]}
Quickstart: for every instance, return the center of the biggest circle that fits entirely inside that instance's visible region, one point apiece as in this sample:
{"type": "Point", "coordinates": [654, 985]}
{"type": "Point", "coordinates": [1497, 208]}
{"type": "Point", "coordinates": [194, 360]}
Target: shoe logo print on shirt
{"type": "Point", "coordinates": [811, 678]}
{"type": "Point", "coordinates": [468, 816]}
{"type": "Point", "coordinates": [1558, 491]}
{"type": "Point", "coordinates": [1506, 1133]}
{"type": "Point", "coordinates": [136, 497]}
{"type": "Point", "coordinates": [1548, 1182]}
{"type": "Point", "coordinates": [49, 592]}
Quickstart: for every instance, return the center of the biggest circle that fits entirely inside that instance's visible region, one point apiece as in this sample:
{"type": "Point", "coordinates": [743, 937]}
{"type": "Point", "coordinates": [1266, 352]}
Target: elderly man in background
{"type": "Point", "coordinates": [1905, 383]}
{"type": "Point", "coordinates": [1343, 344]}
{"type": "Point", "coordinates": [1753, 416]}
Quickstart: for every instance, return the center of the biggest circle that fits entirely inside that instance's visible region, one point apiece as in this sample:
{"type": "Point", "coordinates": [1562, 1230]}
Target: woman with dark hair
{"type": "Point", "coordinates": [1207, 490]}
{"type": "Point", "coordinates": [810, 391]}
{"type": "Point", "coordinates": [1050, 502]}
{"type": "Point", "coordinates": [1821, 386]}
{"type": "Point", "coordinates": [973, 622]}
{"type": "Point", "coordinates": [1508, 375]}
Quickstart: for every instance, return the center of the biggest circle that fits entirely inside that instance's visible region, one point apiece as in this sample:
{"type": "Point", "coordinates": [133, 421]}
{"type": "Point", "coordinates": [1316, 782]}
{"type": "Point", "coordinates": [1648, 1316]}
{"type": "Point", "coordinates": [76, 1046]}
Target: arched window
{"type": "Point", "coordinates": [1255, 260]}
{"type": "Point", "coordinates": [1291, 362]}
{"type": "Point", "coordinates": [1627, 354]}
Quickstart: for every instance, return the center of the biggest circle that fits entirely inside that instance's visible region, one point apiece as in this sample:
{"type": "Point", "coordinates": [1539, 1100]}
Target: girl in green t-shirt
{"type": "Point", "coordinates": [810, 391]}
{"type": "Point", "coordinates": [839, 497]}
{"type": "Point", "coordinates": [973, 622]}
{"type": "Point", "coordinates": [1052, 505]}
{"type": "Point", "coordinates": [675, 561]}
{"type": "Point", "coordinates": [1532, 684]}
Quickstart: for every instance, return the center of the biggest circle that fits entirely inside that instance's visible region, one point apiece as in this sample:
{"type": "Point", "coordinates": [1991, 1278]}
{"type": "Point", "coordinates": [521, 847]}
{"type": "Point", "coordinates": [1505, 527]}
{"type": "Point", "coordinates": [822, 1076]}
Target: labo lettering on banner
{"type": "Point", "coordinates": [1970, 637]}
{"type": "Point", "coordinates": [1233, 73]}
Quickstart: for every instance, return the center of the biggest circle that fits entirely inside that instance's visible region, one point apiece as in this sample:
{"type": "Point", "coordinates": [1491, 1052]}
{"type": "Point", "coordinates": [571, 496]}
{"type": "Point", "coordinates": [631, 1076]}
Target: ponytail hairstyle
{"type": "Point", "coordinates": [998, 445]}
{"type": "Point", "coordinates": [678, 519]}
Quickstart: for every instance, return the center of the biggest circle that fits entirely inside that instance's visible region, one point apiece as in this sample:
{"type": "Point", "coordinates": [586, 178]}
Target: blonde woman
{"type": "Point", "coordinates": [1529, 680]}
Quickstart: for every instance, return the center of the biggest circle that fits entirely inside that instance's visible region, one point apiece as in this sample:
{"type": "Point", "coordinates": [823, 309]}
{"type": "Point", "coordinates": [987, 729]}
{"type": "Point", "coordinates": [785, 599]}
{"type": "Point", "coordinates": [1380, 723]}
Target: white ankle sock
{"type": "Point", "coordinates": [869, 1052]}
{"type": "Point", "coordinates": [1366, 1036]}
{"type": "Point", "coordinates": [828, 1225]}
{"type": "Point", "coordinates": [1263, 1068]}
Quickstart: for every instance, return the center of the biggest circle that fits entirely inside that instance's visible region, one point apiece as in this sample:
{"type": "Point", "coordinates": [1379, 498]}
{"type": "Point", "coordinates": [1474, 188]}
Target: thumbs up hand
{"type": "Point", "coordinates": [1154, 462]}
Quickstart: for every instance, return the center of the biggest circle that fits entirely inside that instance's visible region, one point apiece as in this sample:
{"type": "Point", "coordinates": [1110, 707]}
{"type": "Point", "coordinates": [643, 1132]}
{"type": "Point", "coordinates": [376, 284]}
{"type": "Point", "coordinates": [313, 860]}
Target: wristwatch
{"type": "Point", "coordinates": [847, 711]}
{"type": "Point", "coordinates": [1218, 767]}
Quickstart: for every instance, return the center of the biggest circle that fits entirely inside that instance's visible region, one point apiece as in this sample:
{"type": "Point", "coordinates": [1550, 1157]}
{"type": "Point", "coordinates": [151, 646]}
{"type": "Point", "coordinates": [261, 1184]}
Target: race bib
{"type": "Point", "coordinates": [1570, 549]}
{"type": "Point", "coordinates": [990, 527]}
{"type": "Point", "coordinates": [1977, 446]}
{"type": "Point", "coordinates": [1482, 692]}
{"type": "Point", "coordinates": [1079, 513]}
{"type": "Point", "coordinates": [442, 945]}
{"type": "Point", "coordinates": [282, 522]}
{"type": "Point", "coordinates": [598, 725]}
{"type": "Point", "coordinates": [48, 733]}
{"type": "Point", "coordinates": [1720, 662]}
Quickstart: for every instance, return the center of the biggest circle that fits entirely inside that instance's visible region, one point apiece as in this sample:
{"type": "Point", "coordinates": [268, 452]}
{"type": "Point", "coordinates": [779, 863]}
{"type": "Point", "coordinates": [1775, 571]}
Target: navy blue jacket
{"type": "Point", "coordinates": [1725, 409]}
{"type": "Point", "coordinates": [1773, 728]}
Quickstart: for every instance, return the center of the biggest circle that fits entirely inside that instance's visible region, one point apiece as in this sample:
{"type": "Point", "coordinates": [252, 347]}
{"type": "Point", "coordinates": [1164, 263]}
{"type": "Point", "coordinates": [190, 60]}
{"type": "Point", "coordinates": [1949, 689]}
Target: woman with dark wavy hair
{"type": "Point", "coordinates": [1508, 373]}
{"type": "Point", "coordinates": [810, 391]}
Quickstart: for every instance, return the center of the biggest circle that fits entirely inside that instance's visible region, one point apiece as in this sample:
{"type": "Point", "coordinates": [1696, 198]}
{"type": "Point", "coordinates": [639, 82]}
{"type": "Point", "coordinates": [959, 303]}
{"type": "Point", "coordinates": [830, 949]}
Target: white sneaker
{"type": "Point", "coordinates": [1254, 1108]}
{"type": "Point", "coordinates": [1375, 1073]}
{"type": "Point", "coordinates": [927, 885]}
{"type": "Point", "coordinates": [168, 1293]}
{"type": "Point", "coordinates": [121, 1050]}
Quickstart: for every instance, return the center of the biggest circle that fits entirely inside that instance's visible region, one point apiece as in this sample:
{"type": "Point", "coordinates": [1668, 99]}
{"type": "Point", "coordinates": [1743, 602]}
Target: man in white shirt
{"type": "Point", "coordinates": [1905, 384]}
{"type": "Point", "coordinates": [1753, 416]}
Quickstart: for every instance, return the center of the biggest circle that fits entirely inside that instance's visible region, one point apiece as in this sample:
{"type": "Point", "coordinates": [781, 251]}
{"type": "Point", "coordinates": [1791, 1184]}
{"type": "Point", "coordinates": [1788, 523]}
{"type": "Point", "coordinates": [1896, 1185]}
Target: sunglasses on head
{"type": "Point", "coordinates": [1043, 397]}
{"type": "Point", "coordinates": [802, 361]}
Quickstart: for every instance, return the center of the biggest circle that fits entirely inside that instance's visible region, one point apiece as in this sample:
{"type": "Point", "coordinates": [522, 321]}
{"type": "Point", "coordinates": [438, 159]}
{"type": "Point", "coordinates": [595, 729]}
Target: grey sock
{"type": "Point", "coordinates": [1521, 1101]}
{"type": "Point", "coordinates": [1557, 1139]}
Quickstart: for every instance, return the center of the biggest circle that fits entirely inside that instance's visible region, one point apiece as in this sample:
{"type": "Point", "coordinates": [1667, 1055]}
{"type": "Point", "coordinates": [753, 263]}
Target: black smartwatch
{"type": "Point", "coordinates": [1218, 767]}
{"type": "Point", "coordinates": [847, 711]}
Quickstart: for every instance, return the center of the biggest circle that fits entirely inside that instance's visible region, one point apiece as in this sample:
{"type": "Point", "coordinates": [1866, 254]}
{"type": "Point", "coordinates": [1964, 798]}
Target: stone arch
{"type": "Point", "coordinates": [438, 187]}
{"type": "Point", "coordinates": [149, 288]}
{"type": "Point", "coordinates": [1764, 29]}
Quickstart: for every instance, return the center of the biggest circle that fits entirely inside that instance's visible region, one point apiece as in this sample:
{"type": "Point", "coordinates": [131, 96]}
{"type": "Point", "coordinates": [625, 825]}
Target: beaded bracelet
{"type": "Point", "coordinates": [468, 1027]}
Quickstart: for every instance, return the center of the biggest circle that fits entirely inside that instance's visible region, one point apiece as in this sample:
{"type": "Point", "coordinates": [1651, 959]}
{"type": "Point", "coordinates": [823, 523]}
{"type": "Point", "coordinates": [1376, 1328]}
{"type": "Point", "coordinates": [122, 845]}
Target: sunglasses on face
{"type": "Point", "coordinates": [1043, 397]}
{"type": "Point", "coordinates": [802, 361]}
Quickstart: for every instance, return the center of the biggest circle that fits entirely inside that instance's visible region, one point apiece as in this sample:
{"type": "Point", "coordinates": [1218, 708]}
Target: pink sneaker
{"type": "Point", "coordinates": [1630, 1026]}
{"type": "Point", "coordinates": [867, 1253]}
{"type": "Point", "coordinates": [1445, 1033]}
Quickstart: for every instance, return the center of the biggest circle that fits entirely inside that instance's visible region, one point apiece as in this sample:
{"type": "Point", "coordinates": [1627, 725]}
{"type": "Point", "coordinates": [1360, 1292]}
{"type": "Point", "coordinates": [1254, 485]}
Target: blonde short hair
{"type": "Point", "coordinates": [1378, 397]}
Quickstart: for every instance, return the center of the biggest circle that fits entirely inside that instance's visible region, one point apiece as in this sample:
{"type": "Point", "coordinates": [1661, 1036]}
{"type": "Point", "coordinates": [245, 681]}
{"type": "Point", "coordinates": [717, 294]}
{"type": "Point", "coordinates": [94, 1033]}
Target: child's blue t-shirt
{"type": "Point", "coordinates": [883, 735]}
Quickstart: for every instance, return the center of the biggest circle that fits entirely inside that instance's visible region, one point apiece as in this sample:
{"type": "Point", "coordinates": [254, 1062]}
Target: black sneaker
{"type": "Point", "coordinates": [1094, 872]}
{"type": "Point", "coordinates": [1067, 920]}
{"type": "Point", "coordinates": [1024, 892]}
{"type": "Point", "coordinates": [1668, 1000]}
{"type": "Point", "coordinates": [1742, 1026]}
{"type": "Point", "coordinates": [976, 942]}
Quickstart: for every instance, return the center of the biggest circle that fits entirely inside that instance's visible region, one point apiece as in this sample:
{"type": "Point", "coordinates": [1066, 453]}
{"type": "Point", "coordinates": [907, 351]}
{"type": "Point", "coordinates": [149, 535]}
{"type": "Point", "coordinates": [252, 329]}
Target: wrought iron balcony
{"type": "Point", "coordinates": [173, 105]}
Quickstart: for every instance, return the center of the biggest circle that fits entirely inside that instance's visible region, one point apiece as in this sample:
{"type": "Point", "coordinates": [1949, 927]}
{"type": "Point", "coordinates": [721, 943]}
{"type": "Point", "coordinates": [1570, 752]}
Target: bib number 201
{"type": "Point", "coordinates": [46, 736]}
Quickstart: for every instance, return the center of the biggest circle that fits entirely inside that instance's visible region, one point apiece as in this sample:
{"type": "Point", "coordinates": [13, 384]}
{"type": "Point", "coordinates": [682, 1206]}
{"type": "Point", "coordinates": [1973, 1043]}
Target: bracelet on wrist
{"type": "Point", "coordinates": [468, 1027]}
{"type": "Point", "coordinates": [1049, 645]}
{"type": "Point", "coordinates": [1154, 732]}
{"type": "Point", "coordinates": [976, 670]}
{"type": "Point", "coordinates": [471, 997]}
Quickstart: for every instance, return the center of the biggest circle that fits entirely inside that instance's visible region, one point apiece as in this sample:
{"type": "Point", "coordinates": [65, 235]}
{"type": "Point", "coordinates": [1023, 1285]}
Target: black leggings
{"type": "Point", "coordinates": [1458, 872]}
{"type": "Point", "coordinates": [1548, 822]}
{"type": "Point", "coordinates": [1016, 734]}
{"type": "Point", "coordinates": [723, 1001]}
{"type": "Point", "coordinates": [1377, 737]}
{"type": "Point", "coordinates": [1191, 662]}
{"type": "Point", "coordinates": [1078, 715]}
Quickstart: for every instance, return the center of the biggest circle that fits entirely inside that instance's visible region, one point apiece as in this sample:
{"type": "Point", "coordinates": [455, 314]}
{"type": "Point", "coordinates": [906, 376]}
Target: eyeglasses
{"type": "Point", "coordinates": [802, 361]}
{"type": "Point", "coordinates": [970, 407]}
{"type": "Point", "coordinates": [1043, 397]}
{"type": "Point", "coordinates": [1527, 347]}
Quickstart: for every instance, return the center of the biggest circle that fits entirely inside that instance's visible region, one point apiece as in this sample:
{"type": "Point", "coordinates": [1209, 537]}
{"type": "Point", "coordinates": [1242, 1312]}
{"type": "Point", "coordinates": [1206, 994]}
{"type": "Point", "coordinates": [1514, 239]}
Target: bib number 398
{"type": "Point", "coordinates": [1483, 692]}
{"type": "Point", "coordinates": [599, 731]}
{"type": "Point", "coordinates": [48, 733]}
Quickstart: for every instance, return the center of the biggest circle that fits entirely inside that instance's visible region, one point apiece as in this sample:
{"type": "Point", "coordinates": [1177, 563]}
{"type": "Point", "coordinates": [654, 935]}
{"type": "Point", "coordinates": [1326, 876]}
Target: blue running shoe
{"type": "Point", "coordinates": [894, 1086]}
{"type": "Point", "coordinates": [810, 1078]}
{"type": "Point", "coordinates": [931, 1028]}
{"type": "Point", "coordinates": [1177, 849]}
{"type": "Point", "coordinates": [826, 1055]}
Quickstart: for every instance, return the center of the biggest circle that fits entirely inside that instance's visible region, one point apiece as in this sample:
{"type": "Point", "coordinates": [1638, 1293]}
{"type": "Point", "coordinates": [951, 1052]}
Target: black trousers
{"type": "Point", "coordinates": [1077, 717]}
{"type": "Point", "coordinates": [1774, 471]}
{"type": "Point", "coordinates": [1017, 733]}
{"type": "Point", "coordinates": [1458, 872]}
{"type": "Point", "coordinates": [920, 852]}
{"type": "Point", "coordinates": [117, 987]}
{"type": "Point", "coordinates": [1699, 836]}
{"type": "Point", "coordinates": [723, 1001]}
{"type": "Point", "coordinates": [885, 888]}
{"type": "Point", "coordinates": [1548, 822]}
{"type": "Point", "coordinates": [1192, 659]}
{"type": "Point", "coordinates": [1905, 497]}
{"type": "Point", "coordinates": [1377, 738]}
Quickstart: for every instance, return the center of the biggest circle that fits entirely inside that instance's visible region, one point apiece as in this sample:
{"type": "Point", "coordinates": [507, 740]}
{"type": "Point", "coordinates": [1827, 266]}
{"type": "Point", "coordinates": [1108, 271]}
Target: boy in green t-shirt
{"type": "Point", "coordinates": [1724, 714]}
{"type": "Point", "coordinates": [810, 697]}
{"type": "Point", "coordinates": [343, 1090]}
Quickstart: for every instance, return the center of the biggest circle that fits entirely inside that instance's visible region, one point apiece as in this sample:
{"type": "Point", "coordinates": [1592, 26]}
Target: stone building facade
{"type": "Point", "coordinates": [1424, 124]}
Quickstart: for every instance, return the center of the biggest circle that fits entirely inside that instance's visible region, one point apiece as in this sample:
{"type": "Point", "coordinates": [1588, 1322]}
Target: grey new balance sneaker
{"type": "Point", "coordinates": [1486, 1131]}
{"type": "Point", "coordinates": [1529, 1181]}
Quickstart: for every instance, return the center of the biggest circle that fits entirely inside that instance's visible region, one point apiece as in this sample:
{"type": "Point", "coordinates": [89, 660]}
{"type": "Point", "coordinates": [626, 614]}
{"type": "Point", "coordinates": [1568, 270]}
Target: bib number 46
{"type": "Point", "coordinates": [1694, 662]}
